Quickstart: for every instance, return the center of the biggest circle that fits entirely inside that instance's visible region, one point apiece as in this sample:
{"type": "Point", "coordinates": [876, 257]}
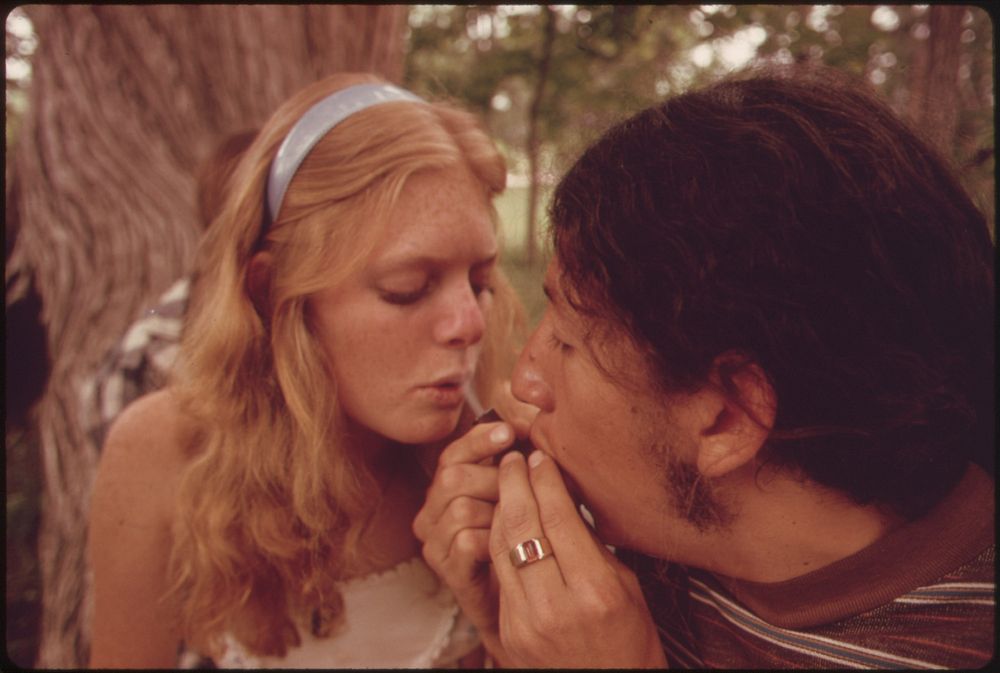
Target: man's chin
{"type": "Point", "coordinates": [586, 513]}
{"type": "Point", "coordinates": [578, 498]}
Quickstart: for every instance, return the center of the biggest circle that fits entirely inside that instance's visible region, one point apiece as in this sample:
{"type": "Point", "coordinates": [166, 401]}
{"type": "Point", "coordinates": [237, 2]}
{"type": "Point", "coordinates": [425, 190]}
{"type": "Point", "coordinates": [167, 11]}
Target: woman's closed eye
{"type": "Point", "coordinates": [403, 297]}
{"type": "Point", "coordinates": [479, 288]}
{"type": "Point", "coordinates": [481, 278]}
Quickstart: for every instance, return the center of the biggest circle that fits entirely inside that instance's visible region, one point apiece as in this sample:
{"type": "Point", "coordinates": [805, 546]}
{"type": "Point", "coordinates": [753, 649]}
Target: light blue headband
{"type": "Point", "coordinates": [315, 124]}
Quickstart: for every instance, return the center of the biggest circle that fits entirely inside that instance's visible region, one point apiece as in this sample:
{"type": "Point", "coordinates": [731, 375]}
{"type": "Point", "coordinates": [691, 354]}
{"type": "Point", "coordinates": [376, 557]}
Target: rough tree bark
{"type": "Point", "coordinates": [124, 102]}
{"type": "Point", "coordinates": [934, 91]}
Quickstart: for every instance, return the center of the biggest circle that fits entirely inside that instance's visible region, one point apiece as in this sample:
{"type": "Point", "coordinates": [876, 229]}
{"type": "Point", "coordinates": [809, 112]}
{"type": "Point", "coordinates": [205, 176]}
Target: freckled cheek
{"type": "Point", "coordinates": [361, 327]}
{"type": "Point", "coordinates": [357, 350]}
{"type": "Point", "coordinates": [341, 340]}
{"type": "Point", "coordinates": [382, 352]}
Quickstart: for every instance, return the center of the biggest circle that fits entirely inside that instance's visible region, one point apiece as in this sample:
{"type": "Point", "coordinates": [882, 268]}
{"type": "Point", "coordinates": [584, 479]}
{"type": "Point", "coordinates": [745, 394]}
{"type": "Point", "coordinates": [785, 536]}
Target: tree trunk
{"type": "Point", "coordinates": [934, 97]}
{"type": "Point", "coordinates": [533, 113]}
{"type": "Point", "coordinates": [124, 103]}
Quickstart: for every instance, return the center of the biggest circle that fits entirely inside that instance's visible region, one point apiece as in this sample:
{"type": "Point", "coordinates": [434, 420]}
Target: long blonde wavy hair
{"type": "Point", "coordinates": [273, 503]}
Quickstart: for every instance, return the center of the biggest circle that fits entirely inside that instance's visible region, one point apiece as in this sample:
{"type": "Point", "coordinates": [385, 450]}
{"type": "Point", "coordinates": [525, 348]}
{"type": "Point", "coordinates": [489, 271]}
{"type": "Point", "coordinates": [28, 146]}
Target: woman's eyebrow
{"type": "Point", "coordinates": [404, 262]}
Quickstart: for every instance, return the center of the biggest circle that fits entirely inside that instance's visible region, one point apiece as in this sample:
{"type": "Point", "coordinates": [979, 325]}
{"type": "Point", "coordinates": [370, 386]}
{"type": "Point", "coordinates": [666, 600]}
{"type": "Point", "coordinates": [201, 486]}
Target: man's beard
{"type": "Point", "coordinates": [694, 497]}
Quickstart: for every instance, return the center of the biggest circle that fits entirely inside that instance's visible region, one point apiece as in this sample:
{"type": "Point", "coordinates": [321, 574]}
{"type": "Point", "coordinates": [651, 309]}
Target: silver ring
{"type": "Point", "coordinates": [529, 551]}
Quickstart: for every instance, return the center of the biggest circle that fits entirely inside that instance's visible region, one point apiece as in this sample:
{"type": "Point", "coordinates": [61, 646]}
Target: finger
{"type": "Point", "coordinates": [573, 542]}
{"type": "Point", "coordinates": [463, 562]}
{"type": "Point", "coordinates": [464, 513]}
{"type": "Point", "coordinates": [451, 482]}
{"type": "Point", "coordinates": [516, 521]}
{"type": "Point", "coordinates": [470, 550]}
{"type": "Point", "coordinates": [482, 441]}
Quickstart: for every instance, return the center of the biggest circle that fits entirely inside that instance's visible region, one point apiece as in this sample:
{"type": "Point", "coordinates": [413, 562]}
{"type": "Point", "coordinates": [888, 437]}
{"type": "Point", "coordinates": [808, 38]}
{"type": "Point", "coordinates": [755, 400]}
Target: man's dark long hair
{"type": "Point", "coordinates": [791, 217]}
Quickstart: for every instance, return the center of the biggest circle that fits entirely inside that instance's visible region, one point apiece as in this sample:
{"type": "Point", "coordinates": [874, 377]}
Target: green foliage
{"type": "Point", "coordinates": [611, 60]}
{"type": "Point", "coordinates": [20, 43]}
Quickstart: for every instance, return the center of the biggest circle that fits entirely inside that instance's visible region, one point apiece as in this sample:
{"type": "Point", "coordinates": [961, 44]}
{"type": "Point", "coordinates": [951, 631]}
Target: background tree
{"type": "Point", "coordinates": [124, 102]}
{"type": "Point", "coordinates": [534, 172]}
{"type": "Point", "coordinates": [932, 64]}
{"type": "Point", "coordinates": [172, 79]}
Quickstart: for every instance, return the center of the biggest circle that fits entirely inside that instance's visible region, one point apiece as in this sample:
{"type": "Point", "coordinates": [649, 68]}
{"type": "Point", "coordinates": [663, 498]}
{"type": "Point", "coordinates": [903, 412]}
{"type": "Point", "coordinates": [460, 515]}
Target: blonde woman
{"type": "Point", "coordinates": [349, 313]}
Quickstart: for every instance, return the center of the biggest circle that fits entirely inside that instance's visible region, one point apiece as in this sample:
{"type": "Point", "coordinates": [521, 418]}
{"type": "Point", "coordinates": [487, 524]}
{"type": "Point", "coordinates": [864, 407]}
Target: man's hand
{"type": "Point", "coordinates": [578, 608]}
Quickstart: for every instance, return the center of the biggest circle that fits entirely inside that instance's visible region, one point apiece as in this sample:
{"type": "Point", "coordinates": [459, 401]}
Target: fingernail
{"type": "Point", "coordinates": [500, 434]}
{"type": "Point", "coordinates": [536, 458]}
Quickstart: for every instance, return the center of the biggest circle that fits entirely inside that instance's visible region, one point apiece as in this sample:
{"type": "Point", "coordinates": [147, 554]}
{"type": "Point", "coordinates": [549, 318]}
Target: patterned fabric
{"type": "Point", "coordinates": [921, 597]}
{"type": "Point", "coordinates": [141, 362]}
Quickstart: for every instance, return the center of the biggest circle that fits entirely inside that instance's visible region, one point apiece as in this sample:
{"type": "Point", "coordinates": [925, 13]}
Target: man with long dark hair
{"type": "Point", "coordinates": [766, 369]}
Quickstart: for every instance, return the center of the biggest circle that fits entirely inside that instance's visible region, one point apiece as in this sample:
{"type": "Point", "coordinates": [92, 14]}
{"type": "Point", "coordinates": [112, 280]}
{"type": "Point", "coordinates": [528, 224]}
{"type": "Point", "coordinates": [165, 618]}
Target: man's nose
{"type": "Point", "coordinates": [527, 382]}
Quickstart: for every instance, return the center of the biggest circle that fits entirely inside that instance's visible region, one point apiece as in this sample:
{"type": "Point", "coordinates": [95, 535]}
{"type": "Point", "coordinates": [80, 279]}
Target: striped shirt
{"type": "Point", "coordinates": [921, 597]}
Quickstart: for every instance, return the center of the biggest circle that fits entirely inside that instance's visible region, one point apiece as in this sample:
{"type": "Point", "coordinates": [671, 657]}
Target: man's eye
{"type": "Point", "coordinates": [556, 342]}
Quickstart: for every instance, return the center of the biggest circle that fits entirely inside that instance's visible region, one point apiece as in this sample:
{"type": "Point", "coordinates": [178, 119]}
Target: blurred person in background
{"type": "Point", "coordinates": [141, 361]}
{"type": "Point", "coordinates": [766, 369]}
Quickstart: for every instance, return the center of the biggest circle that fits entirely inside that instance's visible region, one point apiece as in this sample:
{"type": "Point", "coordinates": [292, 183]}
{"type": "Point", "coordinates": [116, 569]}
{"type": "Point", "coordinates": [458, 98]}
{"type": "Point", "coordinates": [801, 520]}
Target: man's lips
{"type": "Point", "coordinates": [523, 446]}
{"type": "Point", "coordinates": [539, 441]}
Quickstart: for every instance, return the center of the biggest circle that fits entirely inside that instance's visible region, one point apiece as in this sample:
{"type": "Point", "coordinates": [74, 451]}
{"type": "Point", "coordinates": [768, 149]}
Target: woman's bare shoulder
{"type": "Point", "coordinates": [146, 450]}
{"type": "Point", "coordinates": [156, 424]}
{"type": "Point", "coordinates": [132, 512]}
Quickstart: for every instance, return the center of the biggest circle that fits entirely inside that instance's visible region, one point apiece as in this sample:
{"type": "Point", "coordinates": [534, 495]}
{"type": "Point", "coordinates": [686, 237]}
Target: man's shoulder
{"type": "Point", "coordinates": [973, 582]}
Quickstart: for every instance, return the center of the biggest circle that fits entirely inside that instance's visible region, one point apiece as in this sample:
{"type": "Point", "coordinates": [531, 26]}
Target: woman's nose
{"type": "Point", "coordinates": [463, 322]}
{"type": "Point", "coordinates": [527, 382]}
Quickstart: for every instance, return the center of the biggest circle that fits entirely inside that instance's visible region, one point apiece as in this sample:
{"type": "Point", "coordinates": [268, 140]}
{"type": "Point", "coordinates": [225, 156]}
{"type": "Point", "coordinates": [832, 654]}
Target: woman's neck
{"type": "Point", "coordinates": [400, 483]}
{"type": "Point", "coordinates": [403, 473]}
{"type": "Point", "coordinates": [388, 539]}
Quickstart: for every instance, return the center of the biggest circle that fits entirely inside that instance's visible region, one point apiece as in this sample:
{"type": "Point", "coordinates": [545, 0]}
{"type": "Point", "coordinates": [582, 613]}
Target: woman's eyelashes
{"type": "Point", "coordinates": [481, 286]}
{"type": "Point", "coordinates": [405, 297]}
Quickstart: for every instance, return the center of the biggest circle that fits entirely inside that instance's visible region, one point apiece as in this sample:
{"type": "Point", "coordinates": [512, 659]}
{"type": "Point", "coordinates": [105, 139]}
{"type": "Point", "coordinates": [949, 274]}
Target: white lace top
{"type": "Point", "coordinates": [401, 618]}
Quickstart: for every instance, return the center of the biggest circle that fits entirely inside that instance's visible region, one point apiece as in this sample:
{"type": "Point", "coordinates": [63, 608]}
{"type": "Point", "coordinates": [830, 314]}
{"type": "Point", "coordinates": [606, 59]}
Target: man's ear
{"type": "Point", "coordinates": [258, 282]}
{"type": "Point", "coordinates": [740, 407]}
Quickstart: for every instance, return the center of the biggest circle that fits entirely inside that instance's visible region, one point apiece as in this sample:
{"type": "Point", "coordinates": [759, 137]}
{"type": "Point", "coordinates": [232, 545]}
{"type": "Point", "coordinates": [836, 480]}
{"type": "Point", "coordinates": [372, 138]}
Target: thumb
{"type": "Point", "coordinates": [519, 414]}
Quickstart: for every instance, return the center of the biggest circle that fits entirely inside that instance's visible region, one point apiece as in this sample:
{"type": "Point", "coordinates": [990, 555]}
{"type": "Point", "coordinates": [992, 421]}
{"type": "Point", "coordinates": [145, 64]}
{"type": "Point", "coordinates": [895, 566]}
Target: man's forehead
{"type": "Point", "coordinates": [552, 287]}
{"type": "Point", "coordinates": [600, 339]}
{"type": "Point", "coordinates": [560, 301]}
